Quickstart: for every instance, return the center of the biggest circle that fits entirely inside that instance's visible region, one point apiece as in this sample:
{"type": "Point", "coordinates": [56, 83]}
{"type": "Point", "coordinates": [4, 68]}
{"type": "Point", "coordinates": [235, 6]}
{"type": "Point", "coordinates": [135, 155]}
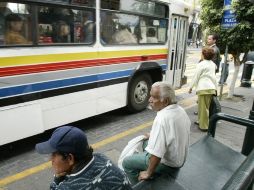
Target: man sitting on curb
{"type": "Point", "coordinates": [168, 140]}
{"type": "Point", "coordinates": [75, 165]}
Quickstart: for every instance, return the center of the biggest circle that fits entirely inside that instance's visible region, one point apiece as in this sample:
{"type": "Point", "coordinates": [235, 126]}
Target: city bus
{"type": "Point", "coordinates": [65, 60]}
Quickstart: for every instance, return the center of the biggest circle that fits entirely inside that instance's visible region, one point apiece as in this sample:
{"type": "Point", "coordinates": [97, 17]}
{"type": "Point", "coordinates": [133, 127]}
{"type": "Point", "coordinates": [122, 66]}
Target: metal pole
{"type": "Point", "coordinates": [224, 71]}
{"type": "Point", "coordinates": [248, 143]}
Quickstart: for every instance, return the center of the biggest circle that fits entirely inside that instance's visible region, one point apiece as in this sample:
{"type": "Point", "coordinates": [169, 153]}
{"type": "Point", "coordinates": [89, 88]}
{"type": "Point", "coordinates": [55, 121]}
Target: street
{"type": "Point", "coordinates": [22, 168]}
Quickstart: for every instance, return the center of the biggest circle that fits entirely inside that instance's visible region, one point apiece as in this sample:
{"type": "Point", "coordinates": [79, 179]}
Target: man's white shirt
{"type": "Point", "coordinates": [170, 134]}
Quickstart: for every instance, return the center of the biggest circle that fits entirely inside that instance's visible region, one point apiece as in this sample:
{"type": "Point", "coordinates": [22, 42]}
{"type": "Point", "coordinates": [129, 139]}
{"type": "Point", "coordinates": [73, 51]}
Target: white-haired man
{"type": "Point", "coordinates": [168, 140]}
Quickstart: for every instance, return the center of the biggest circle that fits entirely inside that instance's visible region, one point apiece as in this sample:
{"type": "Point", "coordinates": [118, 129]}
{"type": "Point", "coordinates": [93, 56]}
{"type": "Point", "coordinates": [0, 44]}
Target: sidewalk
{"type": "Point", "coordinates": [228, 133]}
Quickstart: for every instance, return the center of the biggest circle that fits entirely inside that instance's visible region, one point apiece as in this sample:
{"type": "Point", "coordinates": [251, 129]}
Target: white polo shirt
{"type": "Point", "coordinates": [170, 134]}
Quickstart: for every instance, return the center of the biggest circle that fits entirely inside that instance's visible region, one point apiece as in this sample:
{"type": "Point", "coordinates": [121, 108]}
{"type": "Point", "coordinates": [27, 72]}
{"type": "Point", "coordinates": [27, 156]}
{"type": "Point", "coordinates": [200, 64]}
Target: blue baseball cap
{"type": "Point", "coordinates": [65, 139]}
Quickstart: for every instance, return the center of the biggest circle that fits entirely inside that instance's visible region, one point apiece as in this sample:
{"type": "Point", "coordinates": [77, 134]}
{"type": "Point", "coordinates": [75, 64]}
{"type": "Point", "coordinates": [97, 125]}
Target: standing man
{"type": "Point", "coordinates": [168, 140]}
{"type": "Point", "coordinates": [75, 165]}
{"type": "Point", "coordinates": [211, 41]}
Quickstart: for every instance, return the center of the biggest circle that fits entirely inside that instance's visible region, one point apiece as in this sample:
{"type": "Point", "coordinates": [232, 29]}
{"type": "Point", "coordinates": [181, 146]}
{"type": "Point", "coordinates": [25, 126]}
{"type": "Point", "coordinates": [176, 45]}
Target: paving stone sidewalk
{"type": "Point", "coordinates": [230, 134]}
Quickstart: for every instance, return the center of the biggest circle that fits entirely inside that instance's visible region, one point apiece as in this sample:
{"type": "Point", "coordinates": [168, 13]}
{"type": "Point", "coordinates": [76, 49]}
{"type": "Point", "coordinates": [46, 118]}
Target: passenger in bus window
{"type": "Point", "coordinates": [108, 27]}
{"type": "Point", "coordinates": [62, 32]}
{"type": "Point", "coordinates": [3, 12]}
{"type": "Point", "coordinates": [88, 28]}
{"type": "Point", "coordinates": [151, 36]}
{"type": "Point", "coordinates": [76, 166]}
{"type": "Point", "coordinates": [124, 36]}
{"type": "Point", "coordinates": [14, 27]}
{"type": "Point", "coordinates": [142, 29]}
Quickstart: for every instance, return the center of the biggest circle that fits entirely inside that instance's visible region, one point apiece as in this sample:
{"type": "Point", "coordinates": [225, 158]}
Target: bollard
{"type": "Point", "coordinates": [247, 70]}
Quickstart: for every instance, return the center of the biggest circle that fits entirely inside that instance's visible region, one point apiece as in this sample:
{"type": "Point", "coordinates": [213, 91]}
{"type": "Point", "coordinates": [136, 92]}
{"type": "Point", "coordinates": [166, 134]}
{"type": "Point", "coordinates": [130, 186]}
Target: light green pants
{"type": "Point", "coordinates": [204, 102]}
{"type": "Point", "coordinates": [139, 162]}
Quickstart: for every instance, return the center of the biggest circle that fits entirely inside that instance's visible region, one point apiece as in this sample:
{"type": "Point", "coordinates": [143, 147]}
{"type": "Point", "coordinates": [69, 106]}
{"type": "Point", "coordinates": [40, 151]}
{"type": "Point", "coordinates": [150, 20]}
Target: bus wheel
{"type": "Point", "coordinates": [139, 91]}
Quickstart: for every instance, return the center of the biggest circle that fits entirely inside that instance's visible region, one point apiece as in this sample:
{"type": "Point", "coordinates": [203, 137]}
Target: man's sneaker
{"type": "Point", "coordinates": [195, 113]}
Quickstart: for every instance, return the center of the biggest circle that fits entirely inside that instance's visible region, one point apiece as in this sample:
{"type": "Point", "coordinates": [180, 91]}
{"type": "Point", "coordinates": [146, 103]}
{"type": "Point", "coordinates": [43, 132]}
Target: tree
{"type": "Point", "coordinates": [240, 39]}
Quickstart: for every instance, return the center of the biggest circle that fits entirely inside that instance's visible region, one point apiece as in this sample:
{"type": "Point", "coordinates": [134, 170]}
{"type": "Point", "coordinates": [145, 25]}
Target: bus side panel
{"type": "Point", "coordinates": [68, 108]}
{"type": "Point", "coordinates": [112, 97]}
{"type": "Point", "coordinates": [18, 122]}
{"type": "Point", "coordinates": [63, 109]}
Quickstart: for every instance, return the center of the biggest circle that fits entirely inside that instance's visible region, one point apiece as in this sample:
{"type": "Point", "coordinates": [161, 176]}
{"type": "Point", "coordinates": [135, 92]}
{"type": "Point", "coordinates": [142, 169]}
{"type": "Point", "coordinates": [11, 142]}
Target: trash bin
{"type": "Point", "coordinates": [247, 70]}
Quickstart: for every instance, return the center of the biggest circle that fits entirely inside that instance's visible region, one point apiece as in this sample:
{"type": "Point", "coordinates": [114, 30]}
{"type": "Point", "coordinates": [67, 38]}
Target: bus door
{"type": "Point", "coordinates": [177, 49]}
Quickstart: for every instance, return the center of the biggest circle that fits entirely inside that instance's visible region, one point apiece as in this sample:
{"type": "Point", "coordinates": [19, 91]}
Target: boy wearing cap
{"type": "Point", "coordinates": [75, 165]}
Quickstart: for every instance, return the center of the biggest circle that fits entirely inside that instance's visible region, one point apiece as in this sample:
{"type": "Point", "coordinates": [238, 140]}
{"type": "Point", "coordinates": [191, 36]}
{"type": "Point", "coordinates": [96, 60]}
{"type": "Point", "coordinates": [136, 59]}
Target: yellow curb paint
{"type": "Point", "coordinates": [10, 179]}
{"type": "Point", "coordinates": [25, 173]}
{"type": "Point", "coordinates": [121, 135]}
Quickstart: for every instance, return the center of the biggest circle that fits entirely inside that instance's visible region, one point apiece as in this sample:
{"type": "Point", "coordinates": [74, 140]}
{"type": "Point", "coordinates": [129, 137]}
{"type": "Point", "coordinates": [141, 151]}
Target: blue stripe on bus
{"type": "Point", "coordinates": [31, 88]}
{"type": "Point", "coordinates": [164, 67]}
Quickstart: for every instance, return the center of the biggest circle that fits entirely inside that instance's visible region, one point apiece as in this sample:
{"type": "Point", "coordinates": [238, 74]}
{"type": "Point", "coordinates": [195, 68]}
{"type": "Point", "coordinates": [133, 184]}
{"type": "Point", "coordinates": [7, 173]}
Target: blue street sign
{"type": "Point", "coordinates": [228, 20]}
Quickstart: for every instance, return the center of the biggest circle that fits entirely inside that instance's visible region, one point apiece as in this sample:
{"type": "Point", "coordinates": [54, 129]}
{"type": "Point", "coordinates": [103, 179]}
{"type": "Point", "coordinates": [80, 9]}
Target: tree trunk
{"type": "Point", "coordinates": [237, 64]}
{"type": "Point", "coordinates": [233, 81]}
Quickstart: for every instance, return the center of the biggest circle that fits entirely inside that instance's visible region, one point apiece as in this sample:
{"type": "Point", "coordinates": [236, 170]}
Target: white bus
{"type": "Point", "coordinates": [65, 60]}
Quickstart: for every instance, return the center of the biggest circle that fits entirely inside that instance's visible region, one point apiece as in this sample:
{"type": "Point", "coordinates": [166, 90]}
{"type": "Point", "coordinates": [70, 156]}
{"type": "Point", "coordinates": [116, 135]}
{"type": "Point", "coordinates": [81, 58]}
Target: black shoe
{"type": "Point", "coordinates": [195, 113]}
{"type": "Point", "coordinates": [196, 123]}
{"type": "Point", "coordinates": [203, 130]}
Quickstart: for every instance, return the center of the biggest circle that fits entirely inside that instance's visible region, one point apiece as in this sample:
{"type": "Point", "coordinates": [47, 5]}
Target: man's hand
{"type": "Point", "coordinates": [144, 175]}
{"type": "Point", "coordinates": [153, 163]}
{"type": "Point", "coordinates": [147, 135]}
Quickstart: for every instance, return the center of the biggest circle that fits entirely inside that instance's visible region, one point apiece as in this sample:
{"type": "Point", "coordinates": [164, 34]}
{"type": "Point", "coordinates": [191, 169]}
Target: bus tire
{"type": "Point", "coordinates": [139, 93]}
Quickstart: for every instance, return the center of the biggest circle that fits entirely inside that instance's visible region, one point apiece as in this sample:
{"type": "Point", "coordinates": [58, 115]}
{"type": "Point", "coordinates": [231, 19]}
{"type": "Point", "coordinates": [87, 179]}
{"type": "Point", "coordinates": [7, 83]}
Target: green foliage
{"type": "Point", "coordinates": [240, 38]}
{"type": "Point", "coordinates": [211, 12]}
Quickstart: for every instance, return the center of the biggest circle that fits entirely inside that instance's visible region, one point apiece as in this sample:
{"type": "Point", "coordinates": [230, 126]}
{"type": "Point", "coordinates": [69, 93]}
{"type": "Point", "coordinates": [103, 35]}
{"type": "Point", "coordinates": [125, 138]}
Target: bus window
{"type": "Point", "coordinates": [146, 7]}
{"type": "Point", "coordinates": [118, 28]}
{"type": "Point", "coordinates": [15, 24]}
{"type": "Point", "coordinates": [88, 3]}
{"type": "Point", "coordinates": [61, 25]}
{"type": "Point", "coordinates": [153, 30]}
{"type": "Point", "coordinates": [137, 6]}
{"type": "Point", "coordinates": [110, 4]}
